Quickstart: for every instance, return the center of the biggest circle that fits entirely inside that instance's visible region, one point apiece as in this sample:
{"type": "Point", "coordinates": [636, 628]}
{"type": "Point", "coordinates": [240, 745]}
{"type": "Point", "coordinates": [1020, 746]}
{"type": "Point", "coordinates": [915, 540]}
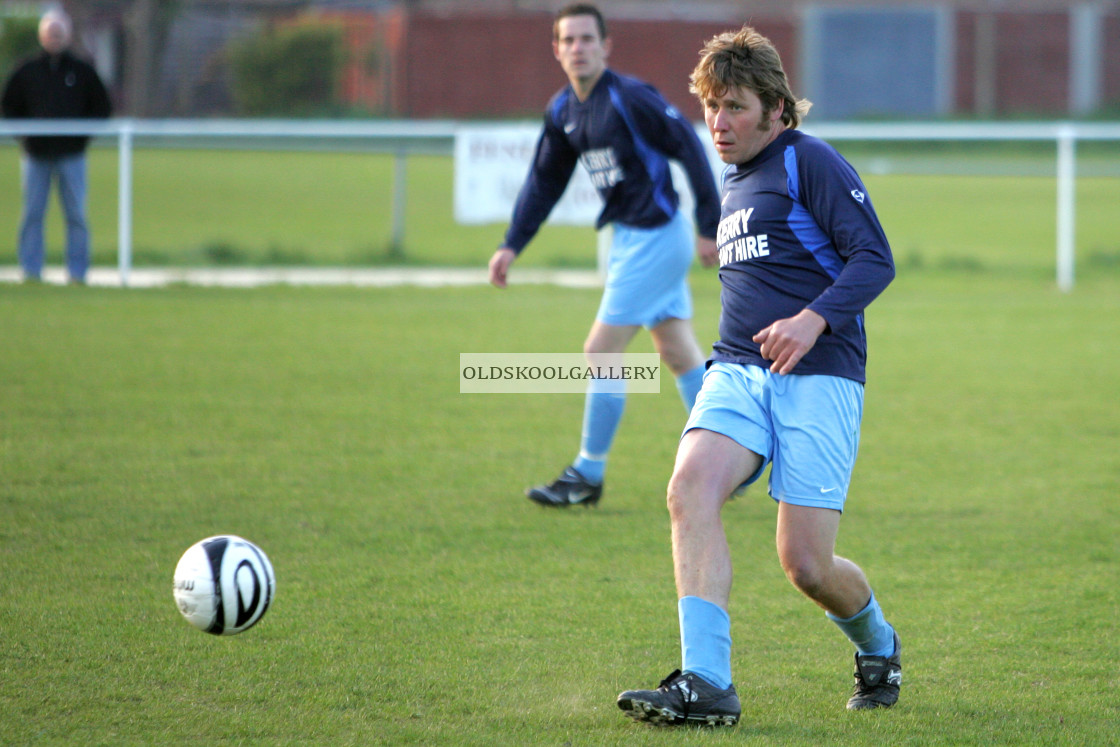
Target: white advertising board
{"type": "Point", "coordinates": [492, 161]}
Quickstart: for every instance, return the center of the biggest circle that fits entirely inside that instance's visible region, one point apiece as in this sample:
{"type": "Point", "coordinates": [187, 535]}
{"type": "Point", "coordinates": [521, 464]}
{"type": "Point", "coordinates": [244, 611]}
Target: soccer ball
{"type": "Point", "coordinates": [224, 584]}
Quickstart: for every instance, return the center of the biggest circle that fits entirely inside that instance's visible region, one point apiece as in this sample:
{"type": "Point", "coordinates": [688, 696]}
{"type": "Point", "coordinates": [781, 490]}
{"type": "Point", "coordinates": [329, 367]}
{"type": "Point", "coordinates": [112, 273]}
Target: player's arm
{"type": "Point", "coordinates": [499, 266]}
{"type": "Point", "coordinates": [839, 203]}
{"type": "Point", "coordinates": [787, 341]}
{"type": "Point", "coordinates": [554, 160]}
{"type": "Point", "coordinates": [667, 130]}
{"type": "Point", "coordinates": [692, 157]}
{"type": "Point", "coordinates": [707, 250]}
{"type": "Point", "coordinates": [548, 177]}
{"type": "Point", "coordinates": [836, 198]}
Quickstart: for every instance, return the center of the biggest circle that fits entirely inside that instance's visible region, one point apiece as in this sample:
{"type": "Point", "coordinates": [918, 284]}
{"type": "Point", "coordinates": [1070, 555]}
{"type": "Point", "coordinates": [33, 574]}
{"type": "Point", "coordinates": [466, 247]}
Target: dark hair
{"type": "Point", "coordinates": [579, 9]}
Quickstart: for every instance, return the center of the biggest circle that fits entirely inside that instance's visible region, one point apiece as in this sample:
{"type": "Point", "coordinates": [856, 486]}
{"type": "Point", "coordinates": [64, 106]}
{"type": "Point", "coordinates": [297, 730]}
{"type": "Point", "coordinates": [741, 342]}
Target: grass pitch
{"type": "Point", "coordinates": [422, 600]}
{"type": "Point", "coordinates": [238, 208]}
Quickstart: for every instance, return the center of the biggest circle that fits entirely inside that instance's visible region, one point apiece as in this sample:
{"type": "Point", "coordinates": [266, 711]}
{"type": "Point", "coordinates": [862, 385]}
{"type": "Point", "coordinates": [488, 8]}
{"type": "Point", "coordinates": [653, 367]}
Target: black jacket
{"type": "Point", "coordinates": [62, 87]}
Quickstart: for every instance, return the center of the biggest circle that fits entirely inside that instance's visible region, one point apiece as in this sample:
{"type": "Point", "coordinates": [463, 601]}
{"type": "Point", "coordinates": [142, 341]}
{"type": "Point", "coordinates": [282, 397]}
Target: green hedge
{"type": "Point", "coordinates": [288, 71]}
{"type": "Point", "coordinates": [19, 38]}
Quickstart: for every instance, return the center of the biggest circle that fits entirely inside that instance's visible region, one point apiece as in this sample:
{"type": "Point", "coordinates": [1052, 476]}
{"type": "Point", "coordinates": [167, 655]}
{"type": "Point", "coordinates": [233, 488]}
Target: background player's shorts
{"type": "Point", "coordinates": [647, 274]}
{"type": "Point", "coordinates": [807, 427]}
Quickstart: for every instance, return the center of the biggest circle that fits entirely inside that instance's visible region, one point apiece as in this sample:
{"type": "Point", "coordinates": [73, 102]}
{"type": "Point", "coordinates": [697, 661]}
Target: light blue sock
{"type": "Point", "coordinates": [602, 412]}
{"type": "Point", "coordinates": [689, 383]}
{"type": "Point", "coordinates": [868, 630]}
{"type": "Point", "coordinates": [705, 640]}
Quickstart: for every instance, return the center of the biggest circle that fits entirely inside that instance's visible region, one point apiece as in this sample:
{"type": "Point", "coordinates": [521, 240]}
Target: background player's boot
{"type": "Point", "coordinates": [878, 679]}
{"type": "Point", "coordinates": [568, 489]}
{"type": "Point", "coordinates": [683, 699]}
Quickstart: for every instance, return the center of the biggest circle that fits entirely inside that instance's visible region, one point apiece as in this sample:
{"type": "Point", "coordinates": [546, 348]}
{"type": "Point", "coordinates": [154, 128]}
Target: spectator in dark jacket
{"type": "Point", "coordinates": [55, 85]}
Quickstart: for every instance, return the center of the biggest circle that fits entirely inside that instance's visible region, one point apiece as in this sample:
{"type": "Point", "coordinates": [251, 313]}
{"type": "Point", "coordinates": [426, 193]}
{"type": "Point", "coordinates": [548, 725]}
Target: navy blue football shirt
{"type": "Point", "coordinates": [624, 134]}
{"type": "Point", "coordinates": [798, 231]}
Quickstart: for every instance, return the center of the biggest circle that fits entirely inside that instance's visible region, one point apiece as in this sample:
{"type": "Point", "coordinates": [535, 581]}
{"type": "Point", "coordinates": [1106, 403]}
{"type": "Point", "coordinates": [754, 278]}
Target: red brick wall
{"type": "Point", "coordinates": [665, 52]}
{"type": "Point", "coordinates": [1031, 62]}
{"type": "Point", "coordinates": [1032, 68]}
{"type": "Point", "coordinates": [486, 66]}
{"type": "Point", "coordinates": [964, 86]}
{"type": "Point", "coordinates": [1110, 50]}
{"type": "Point", "coordinates": [373, 43]}
{"type": "Point", "coordinates": [502, 66]}
{"type": "Point", "coordinates": [476, 66]}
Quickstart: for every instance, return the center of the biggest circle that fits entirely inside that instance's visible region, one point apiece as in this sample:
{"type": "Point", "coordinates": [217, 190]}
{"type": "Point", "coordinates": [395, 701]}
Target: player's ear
{"type": "Point", "coordinates": [606, 47]}
{"type": "Point", "coordinates": [556, 49]}
{"type": "Point", "coordinates": [778, 110]}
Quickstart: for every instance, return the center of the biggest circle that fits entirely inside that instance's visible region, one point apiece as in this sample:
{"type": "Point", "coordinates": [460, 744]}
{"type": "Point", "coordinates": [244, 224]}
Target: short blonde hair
{"type": "Point", "coordinates": [746, 59]}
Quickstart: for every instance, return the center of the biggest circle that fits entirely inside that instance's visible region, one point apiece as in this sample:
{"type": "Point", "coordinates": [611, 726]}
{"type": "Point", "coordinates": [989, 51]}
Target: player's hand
{"type": "Point", "coordinates": [786, 341]}
{"type": "Point", "coordinates": [499, 266]}
{"type": "Point", "coordinates": [709, 253]}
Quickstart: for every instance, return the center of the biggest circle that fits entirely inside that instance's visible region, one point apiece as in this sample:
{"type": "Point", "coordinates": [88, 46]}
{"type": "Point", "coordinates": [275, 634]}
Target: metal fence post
{"type": "Point", "coordinates": [400, 198]}
{"type": "Point", "coordinates": [124, 203]}
{"type": "Point", "coordinates": [1067, 206]}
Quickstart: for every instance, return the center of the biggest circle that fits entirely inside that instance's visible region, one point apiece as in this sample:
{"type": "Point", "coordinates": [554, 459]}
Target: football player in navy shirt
{"type": "Point", "coordinates": [801, 255]}
{"type": "Point", "coordinates": [624, 133]}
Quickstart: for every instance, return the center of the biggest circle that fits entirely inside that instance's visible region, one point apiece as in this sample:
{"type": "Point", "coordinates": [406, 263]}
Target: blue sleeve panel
{"type": "Point", "coordinates": [798, 230]}
{"type": "Point", "coordinates": [624, 135]}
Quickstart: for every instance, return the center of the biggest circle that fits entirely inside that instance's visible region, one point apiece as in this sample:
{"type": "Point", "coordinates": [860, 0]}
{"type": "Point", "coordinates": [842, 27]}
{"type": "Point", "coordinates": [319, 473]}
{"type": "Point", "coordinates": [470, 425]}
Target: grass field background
{"type": "Point", "coordinates": [964, 208]}
{"type": "Point", "coordinates": [421, 599]}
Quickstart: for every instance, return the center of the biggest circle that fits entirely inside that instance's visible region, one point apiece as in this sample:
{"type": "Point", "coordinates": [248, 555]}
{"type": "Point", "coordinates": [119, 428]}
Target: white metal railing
{"type": "Point", "coordinates": [404, 137]}
{"type": "Point", "coordinates": [1064, 134]}
{"type": "Point", "coordinates": [400, 138]}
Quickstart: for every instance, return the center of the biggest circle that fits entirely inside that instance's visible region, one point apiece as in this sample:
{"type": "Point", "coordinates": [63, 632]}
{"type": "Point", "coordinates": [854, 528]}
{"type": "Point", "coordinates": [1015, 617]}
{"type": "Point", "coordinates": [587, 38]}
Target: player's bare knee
{"type": "Point", "coordinates": [595, 349]}
{"type": "Point", "coordinates": [677, 363]}
{"type": "Point", "coordinates": [683, 495]}
{"type": "Point", "coordinates": [692, 499]}
{"type": "Point", "coordinates": [680, 358]}
{"type": "Point", "coordinates": [675, 498]}
{"type": "Point", "coordinates": [805, 573]}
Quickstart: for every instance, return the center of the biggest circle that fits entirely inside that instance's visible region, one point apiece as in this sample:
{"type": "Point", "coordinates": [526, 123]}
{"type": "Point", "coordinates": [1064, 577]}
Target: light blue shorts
{"type": "Point", "coordinates": [805, 427]}
{"type": "Point", "coordinates": [647, 274]}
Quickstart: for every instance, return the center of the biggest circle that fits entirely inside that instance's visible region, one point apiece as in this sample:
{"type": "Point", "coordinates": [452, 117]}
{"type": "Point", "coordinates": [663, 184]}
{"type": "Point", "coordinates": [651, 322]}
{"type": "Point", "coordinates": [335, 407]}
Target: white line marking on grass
{"type": "Point", "coordinates": [250, 277]}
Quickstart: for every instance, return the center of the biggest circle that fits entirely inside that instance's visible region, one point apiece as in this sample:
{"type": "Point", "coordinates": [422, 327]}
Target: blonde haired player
{"type": "Point", "coordinates": [801, 256]}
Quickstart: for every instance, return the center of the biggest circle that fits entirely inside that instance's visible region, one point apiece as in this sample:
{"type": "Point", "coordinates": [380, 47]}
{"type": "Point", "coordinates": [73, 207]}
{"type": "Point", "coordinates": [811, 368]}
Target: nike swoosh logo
{"type": "Point", "coordinates": [828, 490]}
{"type": "Point", "coordinates": [577, 497]}
{"type": "Point", "coordinates": [569, 127]}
